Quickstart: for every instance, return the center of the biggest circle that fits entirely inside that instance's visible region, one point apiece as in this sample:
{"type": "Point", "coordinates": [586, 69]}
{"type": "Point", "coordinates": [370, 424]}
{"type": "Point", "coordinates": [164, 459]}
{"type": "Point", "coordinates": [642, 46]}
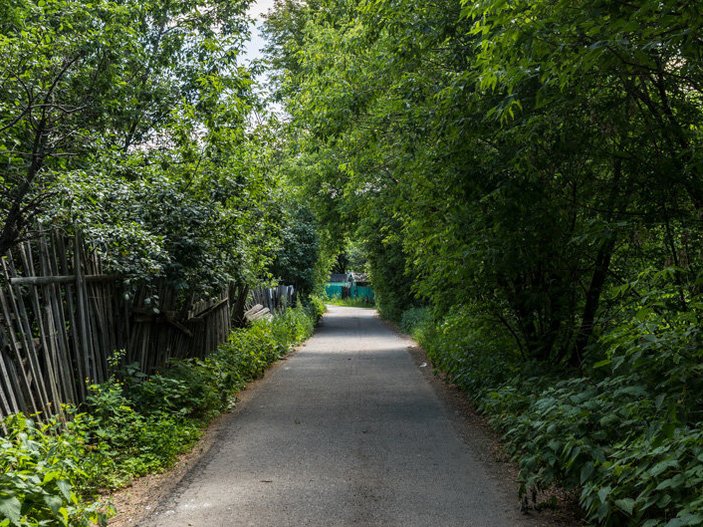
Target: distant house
{"type": "Point", "coordinates": [346, 285]}
{"type": "Point", "coordinates": [341, 278]}
{"type": "Point", "coordinates": [339, 285]}
{"type": "Point", "coordinates": [362, 287]}
{"type": "Point", "coordinates": [360, 279]}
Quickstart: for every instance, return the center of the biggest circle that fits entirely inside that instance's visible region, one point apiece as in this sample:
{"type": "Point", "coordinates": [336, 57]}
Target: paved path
{"type": "Point", "coordinates": [345, 432]}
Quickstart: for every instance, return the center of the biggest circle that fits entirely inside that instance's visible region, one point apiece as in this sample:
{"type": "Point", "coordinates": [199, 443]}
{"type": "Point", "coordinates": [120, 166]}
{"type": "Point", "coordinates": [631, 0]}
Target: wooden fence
{"type": "Point", "coordinates": [276, 299]}
{"type": "Point", "coordinates": [62, 319]}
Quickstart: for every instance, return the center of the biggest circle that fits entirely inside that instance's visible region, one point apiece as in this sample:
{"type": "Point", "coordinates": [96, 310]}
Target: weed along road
{"type": "Point", "coordinates": [347, 431]}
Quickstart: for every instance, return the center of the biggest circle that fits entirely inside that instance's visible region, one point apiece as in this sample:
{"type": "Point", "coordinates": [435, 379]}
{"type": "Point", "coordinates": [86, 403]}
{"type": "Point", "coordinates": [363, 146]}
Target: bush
{"type": "Point", "coordinates": [652, 480]}
{"type": "Point", "coordinates": [610, 439]}
{"type": "Point", "coordinates": [415, 319]}
{"type": "Point", "coordinates": [465, 345]}
{"type": "Point", "coordinates": [316, 308]}
{"type": "Point", "coordinates": [37, 471]}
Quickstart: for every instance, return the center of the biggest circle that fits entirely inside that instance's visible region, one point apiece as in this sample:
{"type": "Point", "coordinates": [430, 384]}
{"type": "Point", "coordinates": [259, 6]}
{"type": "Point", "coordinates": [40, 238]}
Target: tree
{"type": "Point", "coordinates": [510, 151]}
{"type": "Point", "coordinates": [58, 74]}
{"type": "Point", "coordinates": [296, 261]}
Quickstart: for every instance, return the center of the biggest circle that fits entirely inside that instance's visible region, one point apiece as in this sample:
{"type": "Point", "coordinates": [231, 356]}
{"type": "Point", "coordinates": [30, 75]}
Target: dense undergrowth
{"type": "Point", "coordinates": [627, 434]}
{"type": "Point", "coordinates": [52, 474]}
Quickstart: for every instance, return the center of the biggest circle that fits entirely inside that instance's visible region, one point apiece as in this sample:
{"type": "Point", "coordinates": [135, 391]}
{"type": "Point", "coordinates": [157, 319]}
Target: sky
{"type": "Point", "coordinates": [257, 10]}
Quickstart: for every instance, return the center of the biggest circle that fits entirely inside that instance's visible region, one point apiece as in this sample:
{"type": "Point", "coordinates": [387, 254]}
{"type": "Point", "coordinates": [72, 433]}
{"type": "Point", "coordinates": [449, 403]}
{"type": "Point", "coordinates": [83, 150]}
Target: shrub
{"type": "Point", "coordinates": [37, 470]}
{"type": "Point", "coordinates": [129, 442]}
{"type": "Point", "coordinates": [415, 319]}
{"type": "Point", "coordinates": [467, 346]}
{"type": "Point", "coordinates": [316, 308]}
{"type": "Point", "coordinates": [612, 440]}
{"type": "Point", "coordinates": [652, 480]}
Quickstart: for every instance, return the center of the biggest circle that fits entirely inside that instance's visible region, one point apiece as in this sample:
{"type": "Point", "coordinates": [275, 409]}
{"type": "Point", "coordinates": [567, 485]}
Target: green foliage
{"type": "Point", "coordinates": [387, 270]}
{"type": "Point", "coordinates": [316, 308]}
{"type": "Point", "coordinates": [654, 480]}
{"type": "Point", "coordinates": [38, 469]}
{"type": "Point", "coordinates": [300, 252]}
{"type": "Point", "coordinates": [130, 121]}
{"type": "Point", "coordinates": [611, 439]}
{"type": "Point", "coordinates": [416, 320]}
{"type": "Point", "coordinates": [355, 256]}
{"type": "Point", "coordinates": [466, 149]}
{"type": "Point", "coordinates": [466, 345]}
{"type": "Point", "coordinates": [629, 439]}
{"type": "Point", "coordinates": [51, 474]}
{"type": "Point", "coordinates": [131, 442]}
{"type": "Point", "coordinates": [660, 340]}
{"type": "Point", "coordinates": [116, 89]}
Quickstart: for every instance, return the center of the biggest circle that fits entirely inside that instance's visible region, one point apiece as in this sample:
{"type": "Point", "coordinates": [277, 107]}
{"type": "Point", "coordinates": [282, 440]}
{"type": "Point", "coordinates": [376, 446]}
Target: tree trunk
{"type": "Point", "coordinates": [593, 295]}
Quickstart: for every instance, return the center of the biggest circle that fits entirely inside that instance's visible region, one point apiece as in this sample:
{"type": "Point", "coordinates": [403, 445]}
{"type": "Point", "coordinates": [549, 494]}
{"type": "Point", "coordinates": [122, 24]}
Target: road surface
{"type": "Point", "coordinates": [345, 432]}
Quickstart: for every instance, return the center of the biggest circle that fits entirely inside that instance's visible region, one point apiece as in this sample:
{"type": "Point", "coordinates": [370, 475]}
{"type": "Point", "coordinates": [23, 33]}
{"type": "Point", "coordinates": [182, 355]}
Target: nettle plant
{"type": "Point", "coordinates": [38, 468]}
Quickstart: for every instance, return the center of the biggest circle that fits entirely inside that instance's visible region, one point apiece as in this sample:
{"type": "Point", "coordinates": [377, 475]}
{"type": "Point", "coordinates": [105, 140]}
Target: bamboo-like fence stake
{"type": "Point", "coordinates": [16, 346]}
{"type": "Point", "coordinates": [29, 349]}
{"type": "Point", "coordinates": [84, 342]}
{"type": "Point", "coordinates": [49, 373]}
{"type": "Point", "coordinates": [62, 318]}
{"type": "Point", "coordinates": [71, 310]}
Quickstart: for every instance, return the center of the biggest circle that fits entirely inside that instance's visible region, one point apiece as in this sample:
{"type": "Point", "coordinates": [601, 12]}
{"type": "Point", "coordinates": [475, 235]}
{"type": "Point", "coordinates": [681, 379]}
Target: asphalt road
{"type": "Point", "coordinates": [345, 432]}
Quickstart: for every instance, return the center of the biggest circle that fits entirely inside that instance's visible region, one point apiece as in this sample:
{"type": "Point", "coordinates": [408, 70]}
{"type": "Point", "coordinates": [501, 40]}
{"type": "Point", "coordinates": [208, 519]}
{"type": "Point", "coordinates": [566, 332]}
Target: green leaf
{"type": "Point", "coordinates": [601, 363]}
{"type": "Point", "coordinates": [626, 504]}
{"type": "Point", "coordinates": [586, 472]}
{"type": "Point", "coordinates": [65, 488]}
{"type": "Point", "coordinates": [603, 493]}
{"type": "Point", "coordinates": [662, 466]}
{"type": "Point", "coordinates": [664, 501]}
{"type": "Point", "coordinates": [643, 314]}
{"type": "Point", "coordinates": [11, 508]}
{"type": "Point", "coordinates": [686, 519]}
{"type": "Point", "coordinates": [53, 502]}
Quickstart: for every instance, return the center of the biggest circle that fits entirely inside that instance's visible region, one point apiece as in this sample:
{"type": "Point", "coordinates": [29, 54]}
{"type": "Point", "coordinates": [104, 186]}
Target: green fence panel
{"type": "Point", "coordinates": [364, 292]}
